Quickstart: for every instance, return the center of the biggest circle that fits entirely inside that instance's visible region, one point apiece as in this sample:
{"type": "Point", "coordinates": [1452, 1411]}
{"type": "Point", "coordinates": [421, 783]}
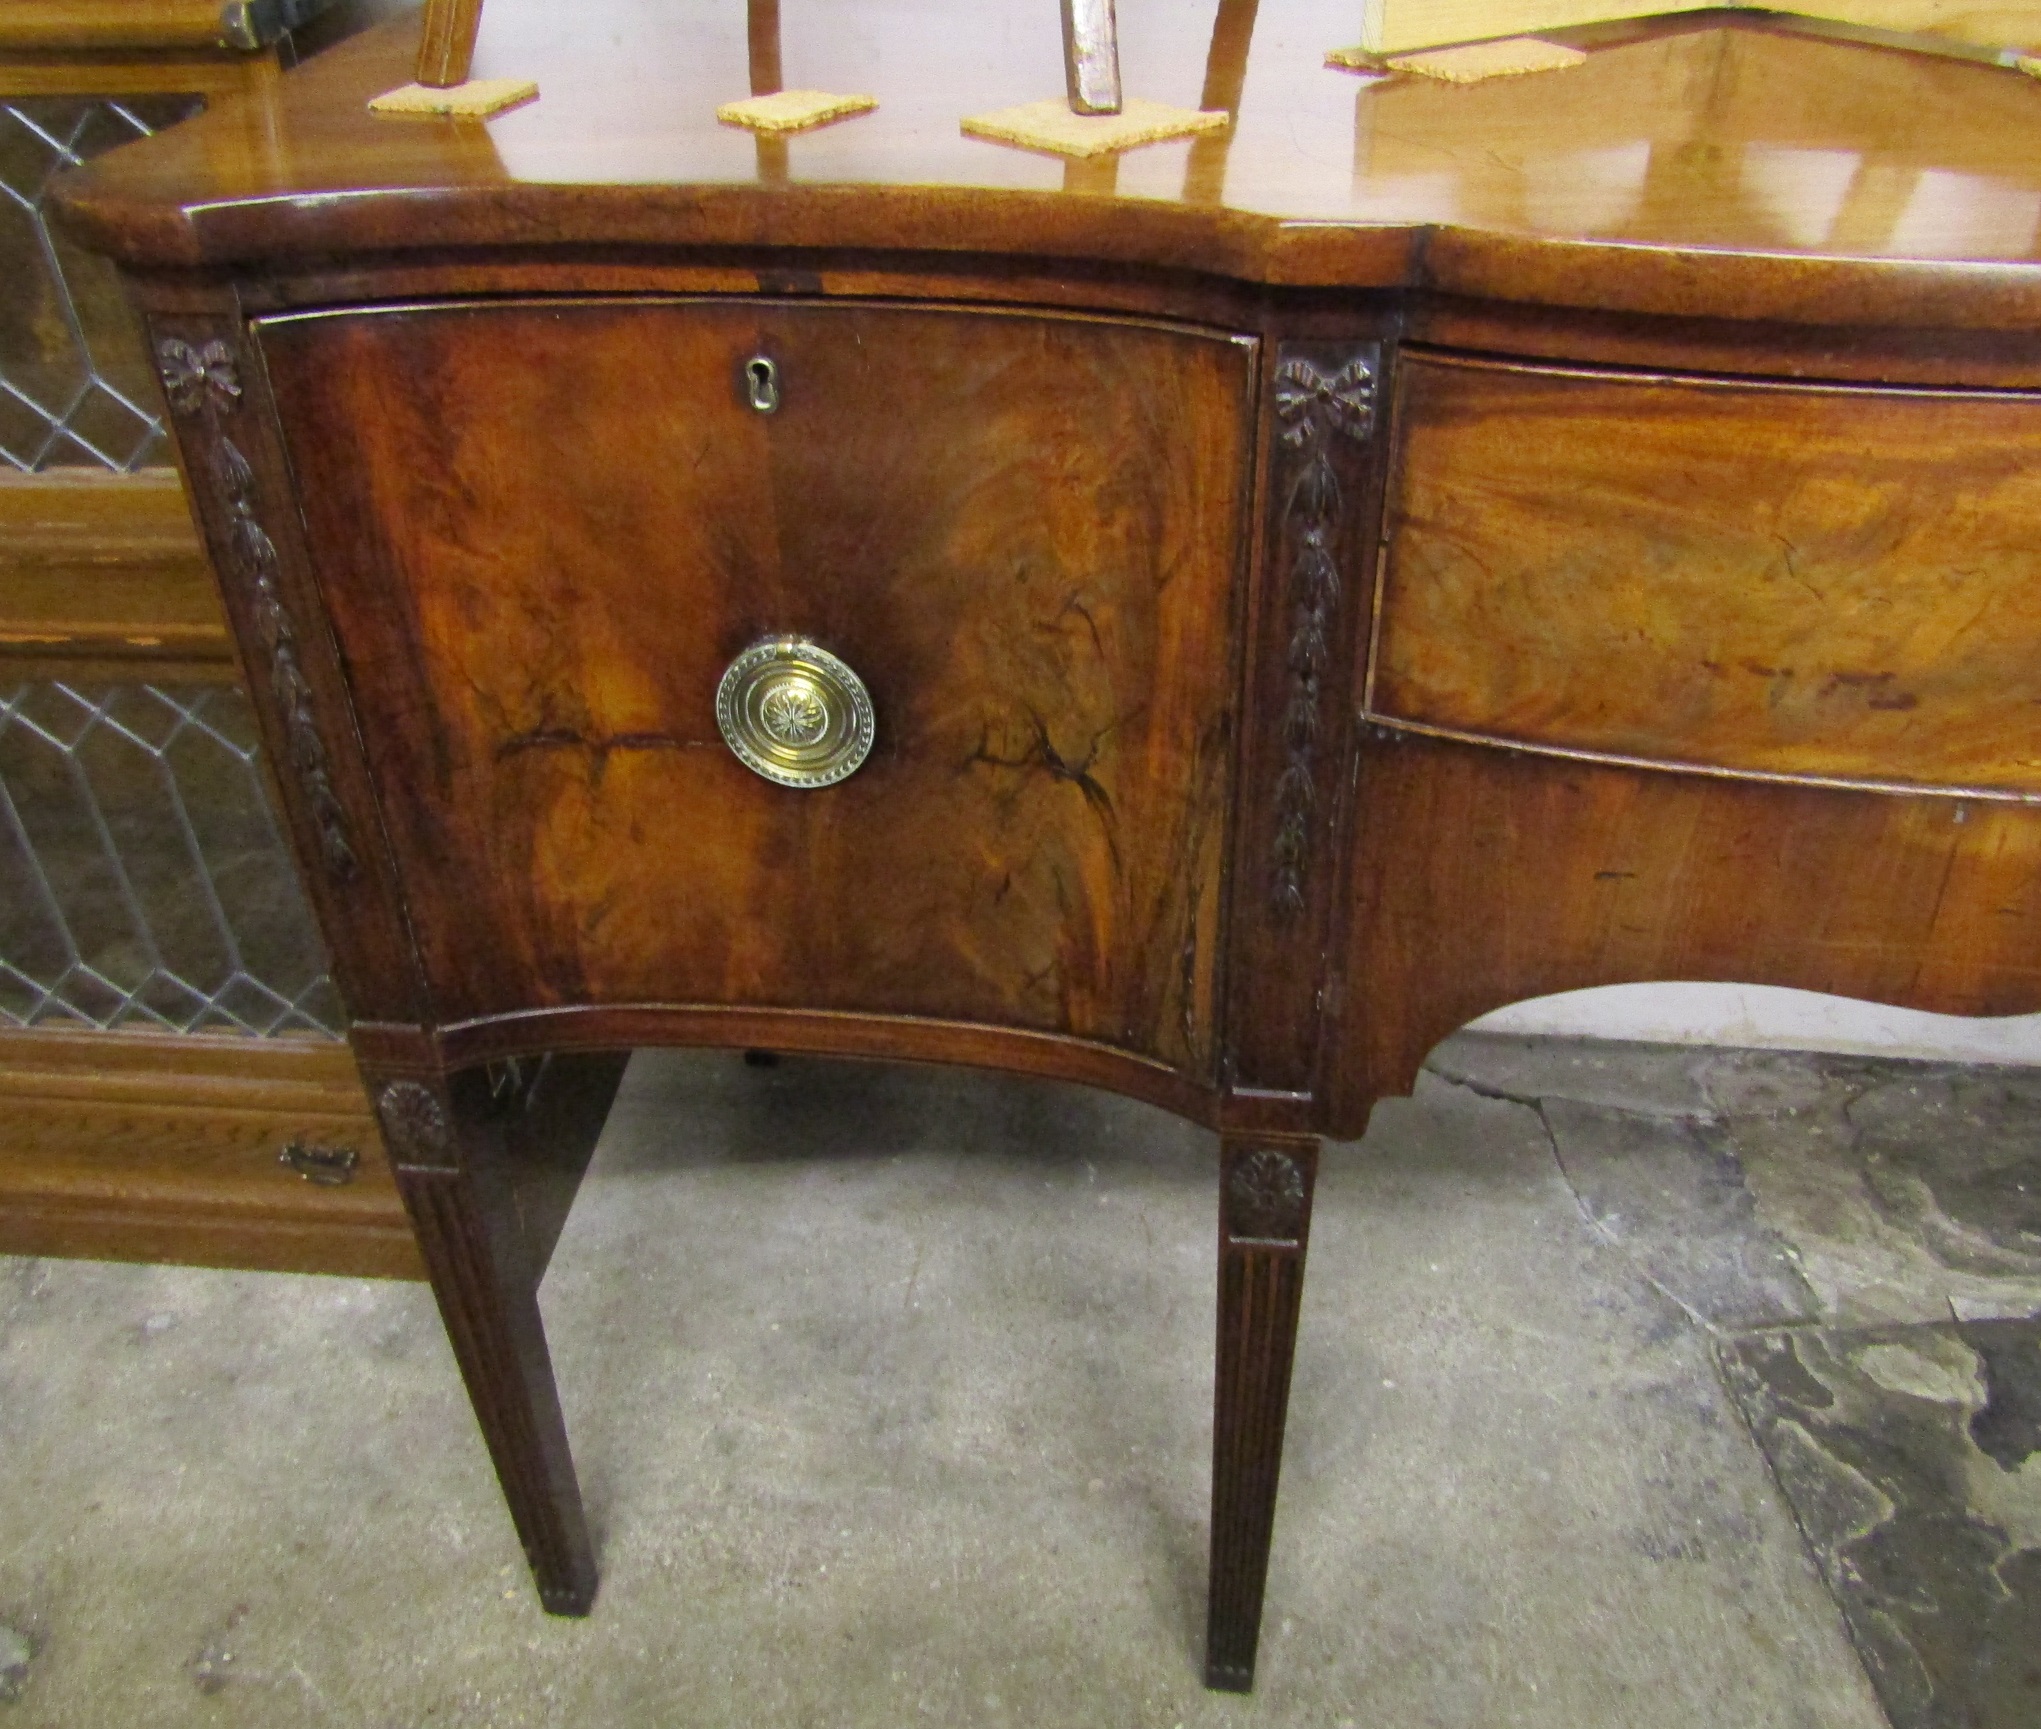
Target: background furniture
{"type": "Point", "coordinates": [167, 1030]}
{"type": "Point", "coordinates": [1419, 549]}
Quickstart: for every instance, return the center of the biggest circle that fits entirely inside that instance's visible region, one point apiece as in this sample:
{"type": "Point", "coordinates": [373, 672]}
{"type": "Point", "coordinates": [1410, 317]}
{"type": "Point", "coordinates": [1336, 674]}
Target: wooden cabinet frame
{"type": "Point", "coordinates": [141, 1145]}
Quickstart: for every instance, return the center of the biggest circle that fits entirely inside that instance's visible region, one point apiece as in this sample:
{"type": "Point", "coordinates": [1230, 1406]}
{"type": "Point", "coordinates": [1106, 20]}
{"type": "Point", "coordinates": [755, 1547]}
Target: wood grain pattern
{"type": "Point", "coordinates": [103, 567]}
{"type": "Point", "coordinates": [1811, 352]}
{"type": "Point", "coordinates": [1126, 821]}
{"type": "Point", "coordinates": [819, 1032]}
{"type": "Point", "coordinates": [1543, 875]}
{"type": "Point", "coordinates": [1830, 581]}
{"type": "Point", "coordinates": [1265, 1188]}
{"type": "Point", "coordinates": [491, 1313]}
{"type": "Point", "coordinates": [99, 25]}
{"type": "Point", "coordinates": [554, 1109]}
{"type": "Point", "coordinates": [537, 575]}
{"type": "Point", "coordinates": [1689, 168]}
{"type": "Point", "coordinates": [124, 1146]}
{"type": "Point", "coordinates": [124, 72]}
{"type": "Point", "coordinates": [462, 1195]}
{"type": "Point", "coordinates": [446, 41]}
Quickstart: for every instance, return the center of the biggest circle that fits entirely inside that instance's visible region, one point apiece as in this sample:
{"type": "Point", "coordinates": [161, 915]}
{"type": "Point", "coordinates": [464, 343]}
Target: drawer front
{"type": "Point", "coordinates": [1827, 581]}
{"type": "Point", "coordinates": [544, 530]}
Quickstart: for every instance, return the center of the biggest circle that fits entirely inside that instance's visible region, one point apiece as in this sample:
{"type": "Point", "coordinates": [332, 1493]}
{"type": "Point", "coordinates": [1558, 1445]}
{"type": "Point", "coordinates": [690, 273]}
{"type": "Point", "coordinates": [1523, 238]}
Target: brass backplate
{"type": "Point", "coordinates": [794, 713]}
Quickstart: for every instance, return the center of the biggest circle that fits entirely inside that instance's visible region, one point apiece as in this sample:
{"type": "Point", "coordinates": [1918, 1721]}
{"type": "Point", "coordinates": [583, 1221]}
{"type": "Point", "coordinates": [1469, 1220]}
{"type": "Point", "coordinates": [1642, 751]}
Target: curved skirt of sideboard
{"type": "Point", "coordinates": [811, 1032]}
{"type": "Point", "coordinates": [1484, 876]}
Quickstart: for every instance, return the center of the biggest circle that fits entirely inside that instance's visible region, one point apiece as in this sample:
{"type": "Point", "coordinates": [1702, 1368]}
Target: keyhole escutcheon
{"type": "Point", "coordinates": [762, 384]}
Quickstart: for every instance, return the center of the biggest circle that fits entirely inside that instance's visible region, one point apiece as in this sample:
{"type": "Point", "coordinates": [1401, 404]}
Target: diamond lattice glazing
{"type": "Point", "coordinates": [75, 387]}
{"type": "Point", "coordinates": [143, 881]}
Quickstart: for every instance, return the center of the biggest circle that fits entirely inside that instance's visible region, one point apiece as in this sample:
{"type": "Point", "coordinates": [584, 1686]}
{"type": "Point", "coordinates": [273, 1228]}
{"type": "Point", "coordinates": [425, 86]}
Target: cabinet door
{"type": "Point", "coordinates": [543, 530]}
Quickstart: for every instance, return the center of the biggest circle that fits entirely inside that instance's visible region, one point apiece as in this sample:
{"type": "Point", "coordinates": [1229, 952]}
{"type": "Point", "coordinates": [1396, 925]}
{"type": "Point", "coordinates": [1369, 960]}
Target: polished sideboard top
{"type": "Point", "coordinates": [1699, 166]}
{"type": "Point", "coordinates": [1668, 413]}
{"type": "Point", "coordinates": [1412, 550]}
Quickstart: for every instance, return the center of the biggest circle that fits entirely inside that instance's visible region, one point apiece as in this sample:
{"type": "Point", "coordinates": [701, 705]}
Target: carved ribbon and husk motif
{"type": "Point", "coordinates": [202, 381]}
{"type": "Point", "coordinates": [1313, 407]}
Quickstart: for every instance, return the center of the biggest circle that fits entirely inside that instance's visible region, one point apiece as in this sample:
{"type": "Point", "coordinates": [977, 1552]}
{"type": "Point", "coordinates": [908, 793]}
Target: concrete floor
{"type": "Point", "coordinates": [890, 1395]}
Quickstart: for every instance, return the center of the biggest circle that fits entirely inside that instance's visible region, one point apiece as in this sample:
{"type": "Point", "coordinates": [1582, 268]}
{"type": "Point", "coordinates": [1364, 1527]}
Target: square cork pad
{"type": "Point", "coordinates": [1469, 63]}
{"type": "Point", "coordinates": [1050, 125]}
{"type": "Point", "coordinates": [476, 99]}
{"type": "Point", "coordinates": [793, 110]}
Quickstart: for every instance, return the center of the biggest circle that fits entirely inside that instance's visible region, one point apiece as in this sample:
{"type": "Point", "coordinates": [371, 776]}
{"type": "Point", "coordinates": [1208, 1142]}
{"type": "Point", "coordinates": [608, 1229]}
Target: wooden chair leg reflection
{"type": "Point", "coordinates": [487, 1161]}
{"type": "Point", "coordinates": [1265, 1185]}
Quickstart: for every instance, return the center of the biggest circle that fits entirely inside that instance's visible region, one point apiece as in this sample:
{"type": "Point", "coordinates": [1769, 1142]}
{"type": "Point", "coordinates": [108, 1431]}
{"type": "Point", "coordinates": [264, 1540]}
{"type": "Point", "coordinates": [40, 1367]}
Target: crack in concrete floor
{"type": "Point", "coordinates": [1862, 1241]}
{"type": "Point", "coordinates": [890, 1394]}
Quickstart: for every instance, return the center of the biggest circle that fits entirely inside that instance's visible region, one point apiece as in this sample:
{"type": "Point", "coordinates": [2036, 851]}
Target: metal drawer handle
{"type": "Point", "coordinates": [794, 713]}
{"type": "Point", "coordinates": [329, 1167]}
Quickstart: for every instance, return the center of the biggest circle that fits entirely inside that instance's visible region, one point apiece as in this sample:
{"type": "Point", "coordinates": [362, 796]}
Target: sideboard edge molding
{"type": "Point", "coordinates": [1262, 252]}
{"type": "Point", "coordinates": [811, 1032]}
{"type": "Point", "coordinates": [1385, 722]}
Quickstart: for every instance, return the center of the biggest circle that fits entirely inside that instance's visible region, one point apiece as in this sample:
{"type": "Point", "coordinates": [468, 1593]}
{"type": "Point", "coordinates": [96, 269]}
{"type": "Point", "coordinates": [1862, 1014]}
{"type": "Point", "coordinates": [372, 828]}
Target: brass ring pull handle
{"type": "Point", "coordinates": [794, 713]}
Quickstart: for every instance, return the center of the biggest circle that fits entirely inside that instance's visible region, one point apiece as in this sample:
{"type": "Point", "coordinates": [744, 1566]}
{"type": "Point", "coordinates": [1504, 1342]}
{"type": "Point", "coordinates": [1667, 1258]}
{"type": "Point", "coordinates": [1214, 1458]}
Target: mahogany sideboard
{"type": "Point", "coordinates": [1413, 549]}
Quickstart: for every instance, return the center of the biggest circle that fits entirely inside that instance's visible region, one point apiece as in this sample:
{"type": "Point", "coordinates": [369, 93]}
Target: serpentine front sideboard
{"type": "Point", "coordinates": [1205, 621]}
{"type": "Point", "coordinates": [174, 1083]}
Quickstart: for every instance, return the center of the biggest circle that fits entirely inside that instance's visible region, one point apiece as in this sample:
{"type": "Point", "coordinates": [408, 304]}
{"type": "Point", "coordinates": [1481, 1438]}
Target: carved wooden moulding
{"type": "Point", "coordinates": [203, 383]}
{"type": "Point", "coordinates": [1314, 406]}
{"type": "Point", "coordinates": [1265, 1197]}
{"type": "Point", "coordinates": [415, 1124]}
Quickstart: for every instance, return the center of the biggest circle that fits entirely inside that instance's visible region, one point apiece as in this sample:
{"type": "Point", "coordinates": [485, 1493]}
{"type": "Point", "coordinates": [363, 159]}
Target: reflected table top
{"type": "Point", "coordinates": [1697, 165]}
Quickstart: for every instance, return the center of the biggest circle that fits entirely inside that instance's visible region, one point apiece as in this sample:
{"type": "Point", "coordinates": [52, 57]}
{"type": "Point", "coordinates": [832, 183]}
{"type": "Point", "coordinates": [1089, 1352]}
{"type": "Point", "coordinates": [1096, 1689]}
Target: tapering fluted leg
{"type": "Point", "coordinates": [447, 1141]}
{"type": "Point", "coordinates": [1265, 1184]}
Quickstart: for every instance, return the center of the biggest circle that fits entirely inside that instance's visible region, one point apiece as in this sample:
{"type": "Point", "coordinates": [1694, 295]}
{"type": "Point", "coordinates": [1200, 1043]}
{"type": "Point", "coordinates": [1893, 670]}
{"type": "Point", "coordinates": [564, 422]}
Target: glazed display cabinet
{"type": "Point", "coordinates": [173, 1078]}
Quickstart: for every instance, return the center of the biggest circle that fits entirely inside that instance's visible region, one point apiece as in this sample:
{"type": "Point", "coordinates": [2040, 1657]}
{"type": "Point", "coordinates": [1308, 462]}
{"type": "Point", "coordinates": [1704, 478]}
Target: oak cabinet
{"type": "Point", "coordinates": [169, 1043]}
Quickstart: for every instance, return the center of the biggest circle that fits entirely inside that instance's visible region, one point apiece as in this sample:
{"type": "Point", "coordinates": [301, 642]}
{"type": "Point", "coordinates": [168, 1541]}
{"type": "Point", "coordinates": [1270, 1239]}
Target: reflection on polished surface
{"type": "Point", "coordinates": [1690, 134]}
{"type": "Point", "coordinates": [1423, 549]}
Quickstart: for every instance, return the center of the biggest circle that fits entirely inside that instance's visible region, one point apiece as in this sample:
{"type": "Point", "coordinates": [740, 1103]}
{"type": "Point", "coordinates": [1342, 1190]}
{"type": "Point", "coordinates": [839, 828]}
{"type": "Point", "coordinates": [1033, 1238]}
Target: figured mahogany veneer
{"type": "Point", "coordinates": [1544, 874]}
{"type": "Point", "coordinates": [1824, 580]}
{"type": "Point", "coordinates": [984, 514]}
{"type": "Point", "coordinates": [1414, 550]}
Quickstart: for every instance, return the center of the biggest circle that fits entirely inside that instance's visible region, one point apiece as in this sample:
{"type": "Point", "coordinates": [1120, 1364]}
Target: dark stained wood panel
{"type": "Point", "coordinates": [1493, 876]}
{"type": "Point", "coordinates": [1829, 581]}
{"type": "Point", "coordinates": [538, 571]}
